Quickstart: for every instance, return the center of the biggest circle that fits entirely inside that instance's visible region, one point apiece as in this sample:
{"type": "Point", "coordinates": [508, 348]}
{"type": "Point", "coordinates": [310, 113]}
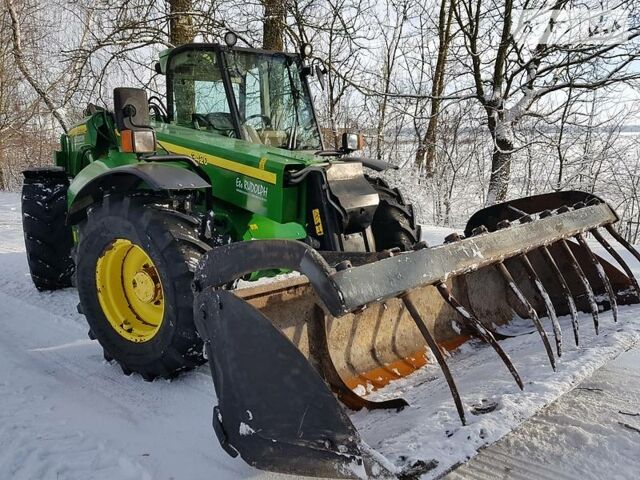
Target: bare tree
{"type": "Point", "coordinates": [391, 36]}
{"type": "Point", "coordinates": [426, 152]}
{"type": "Point", "coordinates": [335, 28]}
{"type": "Point", "coordinates": [510, 79]}
{"type": "Point", "coordinates": [28, 124]}
{"type": "Point", "coordinates": [19, 56]}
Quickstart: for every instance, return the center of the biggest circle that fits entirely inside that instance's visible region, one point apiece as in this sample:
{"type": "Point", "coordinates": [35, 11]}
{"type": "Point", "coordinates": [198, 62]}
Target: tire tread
{"type": "Point", "coordinates": [48, 239]}
{"type": "Point", "coordinates": [394, 224]}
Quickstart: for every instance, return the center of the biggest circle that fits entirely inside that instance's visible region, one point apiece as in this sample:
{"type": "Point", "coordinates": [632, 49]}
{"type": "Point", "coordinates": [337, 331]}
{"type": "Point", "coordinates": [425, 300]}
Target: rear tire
{"type": "Point", "coordinates": [47, 238]}
{"type": "Point", "coordinates": [394, 223]}
{"type": "Point", "coordinates": [169, 239]}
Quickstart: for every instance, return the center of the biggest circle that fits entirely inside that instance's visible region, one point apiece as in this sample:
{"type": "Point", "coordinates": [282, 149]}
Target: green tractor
{"type": "Point", "coordinates": [237, 154]}
{"type": "Point", "coordinates": [156, 212]}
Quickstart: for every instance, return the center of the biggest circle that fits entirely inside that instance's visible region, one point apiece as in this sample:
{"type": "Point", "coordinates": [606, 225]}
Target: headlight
{"type": "Point", "coordinates": [352, 142]}
{"type": "Point", "coordinates": [138, 141]}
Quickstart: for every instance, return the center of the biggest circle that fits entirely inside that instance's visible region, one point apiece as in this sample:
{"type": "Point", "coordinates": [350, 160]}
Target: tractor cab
{"type": "Point", "coordinates": [256, 95]}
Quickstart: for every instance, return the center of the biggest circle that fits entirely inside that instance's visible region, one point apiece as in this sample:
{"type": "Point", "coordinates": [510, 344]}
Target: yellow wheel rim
{"type": "Point", "coordinates": [130, 291]}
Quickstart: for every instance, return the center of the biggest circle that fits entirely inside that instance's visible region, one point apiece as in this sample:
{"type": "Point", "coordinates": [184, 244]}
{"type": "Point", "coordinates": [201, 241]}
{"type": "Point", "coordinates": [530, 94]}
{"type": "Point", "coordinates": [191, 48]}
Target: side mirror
{"type": "Point", "coordinates": [352, 142]}
{"type": "Point", "coordinates": [131, 110]}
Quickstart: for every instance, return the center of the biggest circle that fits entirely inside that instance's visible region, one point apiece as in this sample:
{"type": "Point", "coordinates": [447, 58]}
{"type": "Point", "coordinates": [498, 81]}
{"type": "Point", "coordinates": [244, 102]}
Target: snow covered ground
{"type": "Point", "coordinates": [65, 413]}
{"type": "Point", "coordinates": [591, 433]}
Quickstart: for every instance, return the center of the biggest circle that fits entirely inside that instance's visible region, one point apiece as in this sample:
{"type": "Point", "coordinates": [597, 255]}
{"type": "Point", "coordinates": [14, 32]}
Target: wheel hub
{"type": "Point", "coordinates": [146, 286]}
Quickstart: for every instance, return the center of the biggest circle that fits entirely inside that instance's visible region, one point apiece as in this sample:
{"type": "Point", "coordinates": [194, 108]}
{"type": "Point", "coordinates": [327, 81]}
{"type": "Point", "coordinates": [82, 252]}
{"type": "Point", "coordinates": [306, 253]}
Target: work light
{"type": "Point", "coordinates": [230, 39]}
{"type": "Point", "coordinates": [306, 50]}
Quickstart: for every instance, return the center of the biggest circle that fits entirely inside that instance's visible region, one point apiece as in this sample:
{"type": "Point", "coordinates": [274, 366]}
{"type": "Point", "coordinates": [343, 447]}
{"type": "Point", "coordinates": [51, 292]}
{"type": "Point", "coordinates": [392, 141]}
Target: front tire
{"type": "Point", "coordinates": [394, 223]}
{"type": "Point", "coordinates": [136, 259]}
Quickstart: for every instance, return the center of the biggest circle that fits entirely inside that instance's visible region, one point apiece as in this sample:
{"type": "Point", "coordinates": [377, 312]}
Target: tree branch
{"type": "Point", "coordinates": [19, 57]}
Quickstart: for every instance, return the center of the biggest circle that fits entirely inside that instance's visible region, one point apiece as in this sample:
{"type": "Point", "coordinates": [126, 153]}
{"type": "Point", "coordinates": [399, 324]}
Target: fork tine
{"type": "Point", "coordinates": [612, 231]}
{"type": "Point", "coordinates": [585, 282]}
{"type": "Point", "coordinates": [566, 291]}
{"type": "Point", "coordinates": [601, 274]}
{"type": "Point", "coordinates": [471, 320]}
{"type": "Point", "coordinates": [557, 332]}
{"type": "Point", "coordinates": [530, 310]}
{"type": "Point", "coordinates": [618, 258]}
{"type": "Point", "coordinates": [431, 342]}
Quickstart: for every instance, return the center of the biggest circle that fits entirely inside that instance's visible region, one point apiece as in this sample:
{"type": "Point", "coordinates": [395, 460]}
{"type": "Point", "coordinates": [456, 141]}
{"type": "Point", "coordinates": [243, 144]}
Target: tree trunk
{"type": "Point", "coordinates": [387, 71]}
{"type": "Point", "coordinates": [421, 153]}
{"type": "Point", "coordinates": [273, 25]}
{"type": "Point", "coordinates": [181, 28]}
{"type": "Point", "coordinates": [382, 111]}
{"type": "Point", "coordinates": [181, 31]}
{"type": "Point", "coordinates": [500, 169]}
{"type": "Point", "coordinates": [501, 131]}
{"type": "Point", "coordinates": [427, 151]}
{"type": "Point", "coordinates": [335, 137]}
{"type": "Point", "coordinates": [429, 141]}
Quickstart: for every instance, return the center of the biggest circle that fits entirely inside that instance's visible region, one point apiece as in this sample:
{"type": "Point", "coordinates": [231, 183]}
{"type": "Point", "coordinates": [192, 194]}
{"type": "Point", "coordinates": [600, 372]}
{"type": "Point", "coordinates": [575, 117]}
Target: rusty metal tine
{"type": "Point", "coordinates": [623, 241]}
{"type": "Point", "coordinates": [551, 311]}
{"type": "Point", "coordinates": [585, 282]}
{"type": "Point", "coordinates": [601, 274]}
{"type": "Point", "coordinates": [431, 342]}
{"type": "Point", "coordinates": [566, 291]}
{"type": "Point", "coordinates": [472, 321]}
{"type": "Point", "coordinates": [618, 258]}
{"type": "Point", "coordinates": [530, 310]}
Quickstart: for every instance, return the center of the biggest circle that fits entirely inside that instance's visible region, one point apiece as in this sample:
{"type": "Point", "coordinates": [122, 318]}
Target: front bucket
{"type": "Point", "coordinates": [355, 320]}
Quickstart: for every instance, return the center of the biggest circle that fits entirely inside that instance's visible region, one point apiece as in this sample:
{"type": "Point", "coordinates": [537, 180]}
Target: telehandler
{"type": "Point", "coordinates": [156, 211]}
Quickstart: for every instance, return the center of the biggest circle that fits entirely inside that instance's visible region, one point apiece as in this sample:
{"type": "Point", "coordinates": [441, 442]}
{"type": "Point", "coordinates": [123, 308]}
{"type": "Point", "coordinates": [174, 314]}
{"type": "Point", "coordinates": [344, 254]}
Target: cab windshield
{"type": "Point", "coordinates": [273, 104]}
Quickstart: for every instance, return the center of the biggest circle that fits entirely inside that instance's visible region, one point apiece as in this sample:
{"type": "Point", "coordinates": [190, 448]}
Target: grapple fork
{"type": "Point", "coordinates": [353, 318]}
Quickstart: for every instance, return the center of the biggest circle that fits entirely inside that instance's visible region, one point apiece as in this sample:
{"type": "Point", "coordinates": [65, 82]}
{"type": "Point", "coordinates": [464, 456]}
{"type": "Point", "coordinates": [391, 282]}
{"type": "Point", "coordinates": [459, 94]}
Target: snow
{"type": "Point", "coordinates": [68, 414]}
{"type": "Point", "coordinates": [245, 429]}
{"type": "Point", "coordinates": [589, 433]}
{"type": "Point", "coordinates": [434, 235]}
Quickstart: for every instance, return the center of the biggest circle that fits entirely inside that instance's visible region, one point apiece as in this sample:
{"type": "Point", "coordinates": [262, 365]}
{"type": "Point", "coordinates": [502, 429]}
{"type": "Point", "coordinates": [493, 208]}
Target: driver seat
{"type": "Point", "coordinates": [273, 138]}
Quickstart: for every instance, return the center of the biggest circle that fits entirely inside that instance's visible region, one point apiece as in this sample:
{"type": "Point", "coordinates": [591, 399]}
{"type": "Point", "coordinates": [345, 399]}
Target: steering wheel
{"type": "Point", "coordinates": [266, 120]}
